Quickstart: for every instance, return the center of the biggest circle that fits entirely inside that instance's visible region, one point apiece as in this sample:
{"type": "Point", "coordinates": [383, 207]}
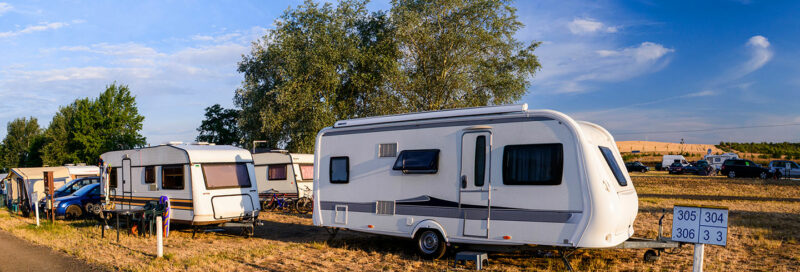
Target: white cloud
{"type": "Point", "coordinates": [760, 53]}
{"type": "Point", "coordinates": [701, 94]}
{"type": "Point", "coordinates": [5, 7]}
{"type": "Point", "coordinates": [33, 28]}
{"type": "Point", "coordinates": [587, 26]}
{"type": "Point", "coordinates": [567, 67]}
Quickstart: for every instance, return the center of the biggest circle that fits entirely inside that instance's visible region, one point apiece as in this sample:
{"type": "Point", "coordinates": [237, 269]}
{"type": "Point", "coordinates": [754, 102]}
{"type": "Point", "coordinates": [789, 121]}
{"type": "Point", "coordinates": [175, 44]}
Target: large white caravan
{"type": "Point", "coordinates": [284, 173]}
{"type": "Point", "coordinates": [206, 184]}
{"type": "Point", "coordinates": [501, 175]}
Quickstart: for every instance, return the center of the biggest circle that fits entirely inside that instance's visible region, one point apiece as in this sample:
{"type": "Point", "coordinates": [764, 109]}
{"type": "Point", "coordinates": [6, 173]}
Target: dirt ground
{"type": "Point", "coordinates": [763, 236]}
{"type": "Point", "coordinates": [21, 255]}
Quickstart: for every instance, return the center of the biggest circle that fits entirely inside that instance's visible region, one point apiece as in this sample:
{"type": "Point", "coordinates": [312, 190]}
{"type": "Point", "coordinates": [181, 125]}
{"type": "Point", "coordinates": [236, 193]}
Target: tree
{"type": "Point", "coordinates": [318, 65]}
{"type": "Point", "coordinates": [460, 53]}
{"type": "Point", "coordinates": [324, 63]}
{"type": "Point", "coordinates": [220, 126]}
{"type": "Point", "coordinates": [22, 144]}
{"type": "Point", "coordinates": [57, 137]}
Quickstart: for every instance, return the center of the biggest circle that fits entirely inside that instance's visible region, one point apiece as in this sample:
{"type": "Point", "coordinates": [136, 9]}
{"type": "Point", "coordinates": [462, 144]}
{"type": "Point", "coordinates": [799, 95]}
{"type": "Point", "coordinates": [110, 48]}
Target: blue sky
{"type": "Point", "coordinates": [645, 70]}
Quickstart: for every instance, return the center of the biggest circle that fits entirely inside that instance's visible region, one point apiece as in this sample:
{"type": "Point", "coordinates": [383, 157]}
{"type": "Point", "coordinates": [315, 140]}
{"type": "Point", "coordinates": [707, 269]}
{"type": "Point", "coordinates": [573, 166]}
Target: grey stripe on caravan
{"type": "Point", "coordinates": [469, 213]}
{"type": "Point", "coordinates": [437, 124]}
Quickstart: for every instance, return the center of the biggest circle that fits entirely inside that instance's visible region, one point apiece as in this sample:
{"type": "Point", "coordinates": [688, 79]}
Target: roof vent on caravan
{"type": "Point", "coordinates": [174, 143]}
{"type": "Point", "coordinates": [431, 115]}
{"type": "Point", "coordinates": [200, 143]}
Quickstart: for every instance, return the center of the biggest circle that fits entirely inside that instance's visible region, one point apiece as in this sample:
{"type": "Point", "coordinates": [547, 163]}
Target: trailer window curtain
{"type": "Point", "coordinates": [226, 175]}
{"type": "Point", "coordinates": [172, 177]}
{"type": "Point", "coordinates": [534, 164]}
{"type": "Point", "coordinates": [112, 177]}
{"type": "Point", "coordinates": [612, 163]}
{"type": "Point", "coordinates": [340, 170]}
{"type": "Point", "coordinates": [421, 161]}
{"type": "Point", "coordinates": [307, 171]}
{"type": "Point", "coordinates": [276, 172]}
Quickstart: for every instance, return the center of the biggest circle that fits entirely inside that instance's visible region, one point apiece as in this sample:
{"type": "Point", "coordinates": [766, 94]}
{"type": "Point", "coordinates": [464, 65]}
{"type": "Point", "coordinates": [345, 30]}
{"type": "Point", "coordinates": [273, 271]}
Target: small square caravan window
{"type": "Point", "coordinates": [276, 172]}
{"type": "Point", "coordinates": [421, 161]}
{"type": "Point", "coordinates": [340, 170]}
{"type": "Point", "coordinates": [149, 174]}
{"type": "Point", "coordinates": [172, 177]}
{"type": "Point", "coordinates": [534, 164]}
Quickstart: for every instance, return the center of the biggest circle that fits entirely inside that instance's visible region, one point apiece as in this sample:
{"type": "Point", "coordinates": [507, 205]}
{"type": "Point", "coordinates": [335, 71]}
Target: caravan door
{"type": "Point", "coordinates": [474, 193]}
{"type": "Point", "coordinates": [127, 182]}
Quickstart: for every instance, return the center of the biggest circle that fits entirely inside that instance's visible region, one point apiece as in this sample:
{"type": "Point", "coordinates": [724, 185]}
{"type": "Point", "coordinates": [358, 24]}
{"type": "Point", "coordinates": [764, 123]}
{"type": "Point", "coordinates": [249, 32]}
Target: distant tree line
{"type": "Point", "coordinates": [323, 63]}
{"type": "Point", "coordinates": [766, 149]}
{"type": "Point", "coordinates": [78, 133]}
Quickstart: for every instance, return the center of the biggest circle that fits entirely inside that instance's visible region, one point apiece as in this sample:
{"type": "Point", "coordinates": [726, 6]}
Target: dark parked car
{"type": "Point", "coordinates": [636, 167]}
{"type": "Point", "coordinates": [700, 167]}
{"type": "Point", "coordinates": [79, 203]}
{"type": "Point", "coordinates": [70, 188]}
{"type": "Point", "coordinates": [738, 168]}
{"type": "Point", "coordinates": [675, 168]}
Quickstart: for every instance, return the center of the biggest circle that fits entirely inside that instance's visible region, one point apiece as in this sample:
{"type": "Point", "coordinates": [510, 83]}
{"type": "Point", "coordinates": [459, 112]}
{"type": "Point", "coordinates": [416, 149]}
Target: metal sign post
{"type": "Point", "coordinates": [700, 225]}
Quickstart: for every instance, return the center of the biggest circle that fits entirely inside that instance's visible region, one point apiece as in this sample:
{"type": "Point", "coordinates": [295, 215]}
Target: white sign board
{"type": "Point", "coordinates": [700, 225]}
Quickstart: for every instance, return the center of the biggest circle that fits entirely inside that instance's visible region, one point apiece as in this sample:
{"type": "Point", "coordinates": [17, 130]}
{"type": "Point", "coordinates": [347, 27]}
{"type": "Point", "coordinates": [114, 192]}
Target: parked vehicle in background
{"type": "Point", "coordinates": [784, 169]}
{"type": "Point", "coordinates": [700, 167]}
{"type": "Point", "coordinates": [659, 166]}
{"type": "Point", "coordinates": [676, 168]}
{"type": "Point", "coordinates": [717, 160]}
{"type": "Point", "coordinates": [738, 168]}
{"type": "Point", "coordinates": [636, 167]}
{"type": "Point", "coordinates": [79, 203]}
{"type": "Point", "coordinates": [670, 159]}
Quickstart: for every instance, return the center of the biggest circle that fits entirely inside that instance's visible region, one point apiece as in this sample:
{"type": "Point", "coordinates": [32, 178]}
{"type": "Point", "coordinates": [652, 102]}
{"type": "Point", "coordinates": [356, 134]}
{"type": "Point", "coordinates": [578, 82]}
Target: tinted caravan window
{"type": "Point", "coordinates": [307, 171]}
{"type": "Point", "coordinates": [276, 172]}
{"type": "Point", "coordinates": [340, 170]}
{"type": "Point", "coordinates": [112, 177]}
{"type": "Point", "coordinates": [535, 164]}
{"type": "Point", "coordinates": [149, 174]}
{"type": "Point", "coordinates": [609, 155]}
{"type": "Point", "coordinates": [172, 177]}
{"type": "Point", "coordinates": [226, 175]}
{"type": "Point", "coordinates": [480, 160]}
{"type": "Point", "coordinates": [422, 161]}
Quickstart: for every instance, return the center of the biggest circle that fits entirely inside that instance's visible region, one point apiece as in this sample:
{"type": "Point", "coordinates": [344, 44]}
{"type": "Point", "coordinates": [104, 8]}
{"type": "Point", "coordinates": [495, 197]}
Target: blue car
{"type": "Point", "coordinates": [70, 188]}
{"type": "Point", "coordinates": [79, 203]}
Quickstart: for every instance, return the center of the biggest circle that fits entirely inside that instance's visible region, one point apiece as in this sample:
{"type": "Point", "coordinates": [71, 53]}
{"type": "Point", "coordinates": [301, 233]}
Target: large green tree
{"type": "Point", "coordinates": [83, 130]}
{"type": "Point", "coordinates": [328, 62]}
{"type": "Point", "coordinates": [220, 126]}
{"type": "Point", "coordinates": [22, 144]}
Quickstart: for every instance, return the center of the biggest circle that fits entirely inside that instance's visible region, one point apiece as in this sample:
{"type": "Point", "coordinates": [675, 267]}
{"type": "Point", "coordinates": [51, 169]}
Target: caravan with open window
{"type": "Point", "coordinates": [206, 184]}
{"type": "Point", "coordinates": [501, 175]}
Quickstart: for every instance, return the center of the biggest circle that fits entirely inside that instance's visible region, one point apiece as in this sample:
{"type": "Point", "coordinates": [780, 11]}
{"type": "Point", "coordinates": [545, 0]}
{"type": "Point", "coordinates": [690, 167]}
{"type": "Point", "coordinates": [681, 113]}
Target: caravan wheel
{"type": "Point", "coordinates": [430, 244]}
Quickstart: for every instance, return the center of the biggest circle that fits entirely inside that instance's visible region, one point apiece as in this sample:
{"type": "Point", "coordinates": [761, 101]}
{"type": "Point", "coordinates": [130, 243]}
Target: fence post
{"type": "Point", "coordinates": [160, 236]}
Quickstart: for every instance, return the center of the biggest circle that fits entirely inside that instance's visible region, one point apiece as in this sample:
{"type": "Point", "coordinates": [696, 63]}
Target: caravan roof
{"type": "Point", "coordinates": [185, 153]}
{"type": "Point", "coordinates": [431, 115]}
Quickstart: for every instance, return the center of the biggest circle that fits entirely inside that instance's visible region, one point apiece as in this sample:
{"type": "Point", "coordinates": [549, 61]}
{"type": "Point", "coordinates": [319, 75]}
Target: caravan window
{"type": "Point", "coordinates": [421, 161]}
{"type": "Point", "coordinates": [340, 169]}
{"type": "Point", "coordinates": [307, 171]}
{"type": "Point", "coordinates": [480, 160]}
{"type": "Point", "coordinates": [276, 172]}
{"type": "Point", "coordinates": [612, 162]}
{"type": "Point", "coordinates": [534, 164]}
{"type": "Point", "coordinates": [112, 177]}
{"type": "Point", "coordinates": [172, 177]}
{"type": "Point", "coordinates": [226, 175]}
{"type": "Point", "coordinates": [149, 174]}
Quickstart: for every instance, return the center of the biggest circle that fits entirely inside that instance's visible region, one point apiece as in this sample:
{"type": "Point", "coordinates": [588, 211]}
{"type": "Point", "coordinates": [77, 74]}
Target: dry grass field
{"type": "Point", "coordinates": [763, 236]}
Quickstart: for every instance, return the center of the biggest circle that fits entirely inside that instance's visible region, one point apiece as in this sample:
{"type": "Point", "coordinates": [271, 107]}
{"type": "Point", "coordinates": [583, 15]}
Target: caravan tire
{"type": "Point", "coordinates": [430, 244]}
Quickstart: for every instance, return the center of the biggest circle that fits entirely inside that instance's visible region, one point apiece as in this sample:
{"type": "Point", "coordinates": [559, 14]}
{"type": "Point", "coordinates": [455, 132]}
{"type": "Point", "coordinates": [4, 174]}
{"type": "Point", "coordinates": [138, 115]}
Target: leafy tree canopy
{"type": "Point", "coordinates": [22, 144]}
{"type": "Point", "coordinates": [324, 63]}
{"type": "Point", "coordinates": [220, 126]}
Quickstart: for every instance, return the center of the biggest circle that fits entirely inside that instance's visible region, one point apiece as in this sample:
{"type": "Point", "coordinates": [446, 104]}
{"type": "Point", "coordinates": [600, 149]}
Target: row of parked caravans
{"type": "Point", "coordinates": [501, 175]}
{"type": "Point", "coordinates": [24, 187]}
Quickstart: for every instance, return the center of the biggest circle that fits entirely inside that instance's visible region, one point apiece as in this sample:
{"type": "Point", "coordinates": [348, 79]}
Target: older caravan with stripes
{"type": "Point", "coordinates": [502, 175]}
{"type": "Point", "coordinates": [206, 184]}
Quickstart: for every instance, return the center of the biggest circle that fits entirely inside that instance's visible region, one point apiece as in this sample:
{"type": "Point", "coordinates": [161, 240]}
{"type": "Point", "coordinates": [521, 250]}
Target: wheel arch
{"type": "Point", "coordinates": [430, 224]}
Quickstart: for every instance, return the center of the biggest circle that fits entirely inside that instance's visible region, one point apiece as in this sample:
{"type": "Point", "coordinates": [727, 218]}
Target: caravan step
{"type": "Point", "coordinates": [480, 258]}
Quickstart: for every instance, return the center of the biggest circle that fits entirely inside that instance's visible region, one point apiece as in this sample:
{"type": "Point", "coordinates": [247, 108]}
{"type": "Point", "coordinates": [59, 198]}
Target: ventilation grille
{"type": "Point", "coordinates": [387, 150]}
{"type": "Point", "coordinates": [384, 207]}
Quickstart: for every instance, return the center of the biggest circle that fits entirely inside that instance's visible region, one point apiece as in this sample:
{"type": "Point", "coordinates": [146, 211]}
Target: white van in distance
{"type": "Point", "coordinates": [502, 175]}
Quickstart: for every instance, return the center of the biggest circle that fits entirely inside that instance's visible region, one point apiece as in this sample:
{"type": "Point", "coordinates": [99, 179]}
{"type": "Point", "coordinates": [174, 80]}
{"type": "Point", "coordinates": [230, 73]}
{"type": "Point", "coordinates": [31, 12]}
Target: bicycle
{"type": "Point", "coordinates": [305, 204]}
{"type": "Point", "coordinates": [278, 203]}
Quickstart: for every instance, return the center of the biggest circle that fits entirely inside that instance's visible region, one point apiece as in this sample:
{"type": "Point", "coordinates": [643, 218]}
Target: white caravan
{"type": "Point", "coordinates": [668, 160]}
{"type": "Point", "coordinates": [501, 175]}
{"type": "Point", "coordinates": [717, 160]}
{"type": "Point", "coordinates": [206, 184]}
{"type": "Point", "coordinates": [284, 173]}
{"type": "Point", "coordinates": [27, 184]}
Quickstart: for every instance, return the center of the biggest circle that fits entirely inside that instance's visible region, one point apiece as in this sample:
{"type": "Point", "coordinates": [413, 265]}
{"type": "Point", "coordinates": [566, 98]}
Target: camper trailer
{"type": "Point", "coordinates": [279, 172]}
{"type": "Point", "coordinates": [717, 160]}
{"type": "Point", "coordinates": [492, 176]}
{"type": "Point", "coordinates": [26, 185]}
{"type": "Point", "coordinates": [206, 184]}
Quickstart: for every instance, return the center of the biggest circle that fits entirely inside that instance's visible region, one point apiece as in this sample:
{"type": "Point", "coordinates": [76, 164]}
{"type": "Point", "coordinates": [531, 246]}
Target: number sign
{"type": "Point", "coordinates": [700, 225]}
